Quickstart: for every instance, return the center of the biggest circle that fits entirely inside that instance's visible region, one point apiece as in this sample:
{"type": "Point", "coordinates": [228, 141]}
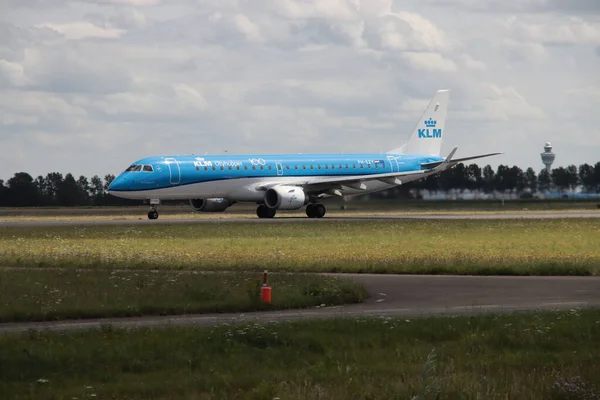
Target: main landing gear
{"type": "Point", "coordinates": [153, 213]}
{"type": "Point", "coordinates": [265, 212]}
{"type": "Point", "coordinates": [312, 211]}
{"type": "Point", "coordinates": [315, 211]}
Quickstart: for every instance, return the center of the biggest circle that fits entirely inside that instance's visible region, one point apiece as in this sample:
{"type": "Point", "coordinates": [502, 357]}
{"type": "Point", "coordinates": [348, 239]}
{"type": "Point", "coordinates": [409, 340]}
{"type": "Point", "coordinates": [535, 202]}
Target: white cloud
{"type": "Point", "coordinates": [88, 87]}
{"type": "Point", "coordinates": [429, 62]}
{"type": "Point", "coordinates": [81, 30]}
{"type": "Point", "coordinates": [471, 63]}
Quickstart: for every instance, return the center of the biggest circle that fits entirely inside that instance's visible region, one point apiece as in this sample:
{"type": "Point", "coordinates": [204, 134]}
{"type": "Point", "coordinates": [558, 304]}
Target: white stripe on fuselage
{"type": "Point", "coordinates": [238, 189]}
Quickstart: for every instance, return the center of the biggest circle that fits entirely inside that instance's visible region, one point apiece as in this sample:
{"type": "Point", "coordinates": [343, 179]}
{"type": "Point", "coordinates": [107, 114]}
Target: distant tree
{"type": "Point", "coordinates": [53, 182]}
{"type": "Point", "coordinates": [517, 179]}
{"type": "Point", "coordinates": [107, 181]}
{"type": "Point", "coordinates": [544, 180]}
{"type": "Point", "coordinates": [502, 179]}
{"type": "Point", "coordinates": [560, 179]}
{"type": "Point", "coordinates": [597, 176]}
{"type": "Point", "coordinates": [3, 194]}
{"type": "Point", "coordinates": [84, 190]}
{"type": "Point", "coordinates": [96, 189]}
{"type": "Point", "coordinates": [531, 180]}
{"type": "Point", "coordinates": [488, 179]}
{"type": "Point", "coordinates": [459, 177]}
{"type": "Point", "coordinates": [68, 192]}
{"type": "Point", "coordinates": [572, 177]}
{"type": "Point", "coordinates": [432, 183]}
{"type": "Point", "coordinates": [474, 177]}
{"type": "Point", "coordinates": [22, 191]}
{"type": "Point", "coordinates": [586, 178]}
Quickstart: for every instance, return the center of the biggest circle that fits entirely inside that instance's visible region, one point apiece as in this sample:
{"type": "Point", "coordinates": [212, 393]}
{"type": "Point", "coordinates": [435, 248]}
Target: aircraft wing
{"type": "Point", "coordinates": [336, 184]}
{"type": "Point", "coordinates": [458, 160]}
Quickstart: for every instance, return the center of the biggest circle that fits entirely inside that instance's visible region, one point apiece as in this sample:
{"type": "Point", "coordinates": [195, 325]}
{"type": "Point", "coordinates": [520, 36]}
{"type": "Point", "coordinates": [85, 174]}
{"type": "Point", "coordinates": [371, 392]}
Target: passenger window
{"type": "Point", "coordinates": [246, 167]}
{"type": "Point", "coordinates": [287, 167]}
{"type": "Point", "coordinates": [206, 168]}
{"type": "Point", "coordinates": [312, 167]}
{"type": "Point", "coordinates": [353, 165]}
{"type": "Point", "coordinates": [326, 166]}
{"type": "Point", "coordinates": [238, 167]}
{"type": "Point", "coordinates": [222, 168]}
{"type": "Point", "coordinates": [270, 168]}
{"type": "Point", "coordinates": [347, 166]}
{"type": "Point", "coordinates": [319, 166]}
{"type": "Point", "coordinates": [295, 167]}
{"type": "Point", "coordinates": [197, 168]}
{"type": "Point", "coordinates": [332, 166]}
{"type": "Point", "coordinates": [262, 168]}
{"type": "Point", "coordinates": [254, 168]}
{"type": "Point", "coordinates": [214, 169]}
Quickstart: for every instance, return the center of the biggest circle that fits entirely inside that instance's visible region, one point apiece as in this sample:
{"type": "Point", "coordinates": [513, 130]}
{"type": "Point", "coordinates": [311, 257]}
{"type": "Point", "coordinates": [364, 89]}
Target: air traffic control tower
{"type": "Point", "coordinates": [548, 156]}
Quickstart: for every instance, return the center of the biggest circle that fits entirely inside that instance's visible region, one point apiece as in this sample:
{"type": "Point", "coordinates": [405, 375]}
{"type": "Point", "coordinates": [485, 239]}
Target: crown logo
{"type": "Point", "coordinates": [430, 123]}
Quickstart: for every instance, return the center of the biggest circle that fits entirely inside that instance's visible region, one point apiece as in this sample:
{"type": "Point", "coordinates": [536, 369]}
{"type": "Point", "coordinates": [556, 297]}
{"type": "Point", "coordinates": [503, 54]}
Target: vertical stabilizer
{"type": "Point", "coordinates": [427, 136]}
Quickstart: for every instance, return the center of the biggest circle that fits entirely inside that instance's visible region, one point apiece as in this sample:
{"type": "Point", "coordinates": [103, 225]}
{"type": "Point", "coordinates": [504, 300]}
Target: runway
{"type": "Point", "coordinates": [408, 296]}
{"type": "Point", "coordinates": [287, 219]}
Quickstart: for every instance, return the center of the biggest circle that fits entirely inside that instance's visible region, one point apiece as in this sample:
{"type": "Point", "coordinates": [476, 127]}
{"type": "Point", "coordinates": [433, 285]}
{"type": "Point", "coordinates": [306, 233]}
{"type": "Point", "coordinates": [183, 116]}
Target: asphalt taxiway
{"type": "Point", "coordinates": [408, 296]}
{"type": "Point", "coordinates": [287, 219]}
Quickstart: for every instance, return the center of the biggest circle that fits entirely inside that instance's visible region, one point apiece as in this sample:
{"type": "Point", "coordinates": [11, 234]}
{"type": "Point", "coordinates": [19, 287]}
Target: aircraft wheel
{"type": "Point", "coordinates": [265, 212]}
{"type": "Point", "coordinates": [315, 210]}
{"type": "Point", "coordinates": [152, 214]}
{"type": "Point", "coordinates": [319, 210]}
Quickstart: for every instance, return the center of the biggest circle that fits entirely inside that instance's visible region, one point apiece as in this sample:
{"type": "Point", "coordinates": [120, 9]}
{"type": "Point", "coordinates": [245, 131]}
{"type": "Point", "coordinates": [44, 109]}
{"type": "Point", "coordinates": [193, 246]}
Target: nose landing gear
{"type": "Point", "coordinates": [153, 213]}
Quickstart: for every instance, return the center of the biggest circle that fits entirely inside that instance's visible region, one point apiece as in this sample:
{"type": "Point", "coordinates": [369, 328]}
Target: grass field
{"type": "Point", "coordinates": [518, 247]}
{"type": "Point", "coordinates": [37, 295]}
{"type": "Point", "coordinates": [546, 356]}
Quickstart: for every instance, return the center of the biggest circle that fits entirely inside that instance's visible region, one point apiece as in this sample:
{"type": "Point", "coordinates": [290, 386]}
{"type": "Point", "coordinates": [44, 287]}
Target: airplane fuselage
{"type": "Point", "coordinates": [240, 177]}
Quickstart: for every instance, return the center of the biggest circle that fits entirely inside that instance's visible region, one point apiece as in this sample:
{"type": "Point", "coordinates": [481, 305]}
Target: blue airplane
{"type": "Point", "coordinates": [288, 181]}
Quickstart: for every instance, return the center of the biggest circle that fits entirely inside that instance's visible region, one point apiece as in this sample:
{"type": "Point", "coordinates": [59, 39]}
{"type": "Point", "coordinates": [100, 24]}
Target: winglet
{"type": "Point", "coordinates": [446, 162]}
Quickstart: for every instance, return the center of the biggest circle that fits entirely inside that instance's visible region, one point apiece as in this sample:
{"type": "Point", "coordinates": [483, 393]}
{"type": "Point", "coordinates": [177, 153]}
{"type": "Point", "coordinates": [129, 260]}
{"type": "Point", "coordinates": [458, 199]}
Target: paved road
{"type": "Point", "coordinates": [395, 295]}
{"type": "Point", "coordinates": [284, 219]}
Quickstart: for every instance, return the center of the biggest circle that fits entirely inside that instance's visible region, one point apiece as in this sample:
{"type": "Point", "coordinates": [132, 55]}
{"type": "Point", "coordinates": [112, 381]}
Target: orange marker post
{"type": "Point", "coordinates": [265, 291]}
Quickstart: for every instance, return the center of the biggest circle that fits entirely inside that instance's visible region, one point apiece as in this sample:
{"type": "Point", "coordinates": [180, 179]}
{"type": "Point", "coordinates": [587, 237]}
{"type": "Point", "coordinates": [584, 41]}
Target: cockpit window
{"type": "Point", "coordinates": [148, 168]}
{"type": "Point", "coordinates": [134, 168]}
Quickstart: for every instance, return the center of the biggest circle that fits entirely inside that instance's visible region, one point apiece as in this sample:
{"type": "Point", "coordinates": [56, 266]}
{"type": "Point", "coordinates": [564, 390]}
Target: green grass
{"type": "Point", "coordinates": [36, 295]}
{"type": "Point", "coordinates": [528, 356]}
{"type": "Point", "coordinates": [517, 247]}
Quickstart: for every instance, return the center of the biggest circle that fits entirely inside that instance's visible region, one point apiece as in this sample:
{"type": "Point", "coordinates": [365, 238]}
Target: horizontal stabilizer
{"type": "Point", "coordinates": [458, 160]}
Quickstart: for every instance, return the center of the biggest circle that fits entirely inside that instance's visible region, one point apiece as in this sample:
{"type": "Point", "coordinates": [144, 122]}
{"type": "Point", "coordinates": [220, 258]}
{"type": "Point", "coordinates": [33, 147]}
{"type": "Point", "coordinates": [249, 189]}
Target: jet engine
{"type": "Point", "coordinates": [210, 205]}
{"type": "Point", "coordinates": [285, 198]}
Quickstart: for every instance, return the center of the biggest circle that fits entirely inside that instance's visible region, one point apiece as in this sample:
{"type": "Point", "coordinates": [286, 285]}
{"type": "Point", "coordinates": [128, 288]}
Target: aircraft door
{"type": "Point", "coordinates": [279, 168]}
{"type": "Point", "coordinates": [393, 164]}
{"type": "Point", "coordinates": [174, 170]}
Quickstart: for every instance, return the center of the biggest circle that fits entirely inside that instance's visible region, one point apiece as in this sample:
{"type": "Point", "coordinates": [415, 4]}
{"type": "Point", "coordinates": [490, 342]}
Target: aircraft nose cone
{"type": "Point", "coordinates": [119, 183]}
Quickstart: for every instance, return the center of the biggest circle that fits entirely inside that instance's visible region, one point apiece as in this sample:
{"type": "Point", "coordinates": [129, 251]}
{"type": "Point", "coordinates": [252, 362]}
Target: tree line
{"type": "Point", "coordinates": [54, 189]}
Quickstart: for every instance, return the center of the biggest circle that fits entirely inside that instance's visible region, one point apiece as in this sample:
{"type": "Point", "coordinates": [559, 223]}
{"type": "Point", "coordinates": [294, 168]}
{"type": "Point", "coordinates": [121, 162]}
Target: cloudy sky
{"type": "Point", "coordinates": [89, 86]}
